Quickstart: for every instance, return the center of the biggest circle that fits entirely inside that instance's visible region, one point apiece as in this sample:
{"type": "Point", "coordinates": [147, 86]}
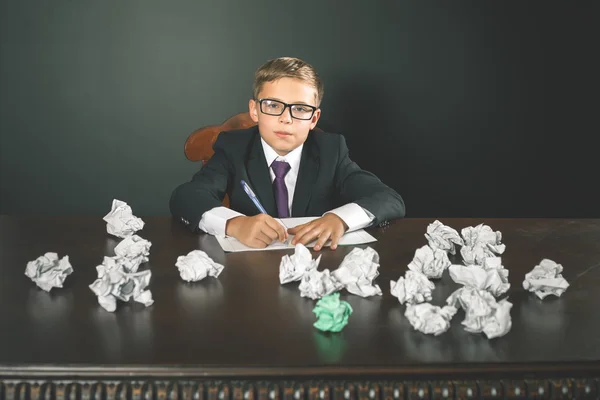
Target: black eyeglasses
{"type": "Point", "coordinates": [276, 107]}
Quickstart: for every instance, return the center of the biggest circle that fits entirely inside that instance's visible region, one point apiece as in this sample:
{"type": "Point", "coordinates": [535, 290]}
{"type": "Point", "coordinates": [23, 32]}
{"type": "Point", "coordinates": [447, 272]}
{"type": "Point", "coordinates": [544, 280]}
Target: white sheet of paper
{"type": "Point", "coordinates": [356, 237]}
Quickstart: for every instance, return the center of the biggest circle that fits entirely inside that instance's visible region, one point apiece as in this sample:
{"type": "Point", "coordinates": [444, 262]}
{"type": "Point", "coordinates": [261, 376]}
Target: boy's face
{"type": "Point", "coordinates": [284, 133]}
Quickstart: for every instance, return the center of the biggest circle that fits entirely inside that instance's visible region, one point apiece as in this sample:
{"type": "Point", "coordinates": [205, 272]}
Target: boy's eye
{"type": "Point", "coordinates": [301, 109]}
{"type": "Point", "coordinates": [273, 105]}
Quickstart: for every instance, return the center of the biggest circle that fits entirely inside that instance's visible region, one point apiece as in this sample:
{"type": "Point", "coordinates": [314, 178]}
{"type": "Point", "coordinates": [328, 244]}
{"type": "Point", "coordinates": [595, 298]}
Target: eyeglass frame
{"type": "Point", "coordinates": [289, 107]}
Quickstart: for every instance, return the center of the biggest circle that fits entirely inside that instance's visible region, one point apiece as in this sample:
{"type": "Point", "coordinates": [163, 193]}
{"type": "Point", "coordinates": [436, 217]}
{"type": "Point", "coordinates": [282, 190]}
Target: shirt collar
{"type": "Point", "coordinates": [292, 158]}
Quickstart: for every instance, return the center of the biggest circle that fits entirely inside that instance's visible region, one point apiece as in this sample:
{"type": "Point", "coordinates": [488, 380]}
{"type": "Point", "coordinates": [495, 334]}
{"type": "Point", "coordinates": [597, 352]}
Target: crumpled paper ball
{"type": "Point", "coordinates": [332, 313]}
{"type": "Point", "coordinates": [412, 288]}
{"type": "Point", "coordinates": [128, 264]}
{"type": "Point", "coordinates": [197, 265]}
{"type": "Point", "coordinates": [443, 237]}
{"type": "Point", "coordinates": [120, 221]}
{"type": "Point", "coordinates": [357, 271]}
{"type": "Point", "coordinates": [492, 276]}
{"type": "Point", "coordinates": [429, 319]}
{"type": "Point", "coordinates": [480, 242]}
{"type": "Point", "coordinates": [482, 312]}
{"type": "Point", "coordinates": [292, 268]}
{"type": "Point", "coordinates": [48, 271]}
{"type": "Point", "coordinates": [134, 248]}
{"type": "Point", "coordinates": [115, 283]}
{"type": "Point", "coordinates": [316, 284]}
{"type": "Point", "coordinates": [429, 262]}
{"type": "Point", "coordinates": [546, 279]}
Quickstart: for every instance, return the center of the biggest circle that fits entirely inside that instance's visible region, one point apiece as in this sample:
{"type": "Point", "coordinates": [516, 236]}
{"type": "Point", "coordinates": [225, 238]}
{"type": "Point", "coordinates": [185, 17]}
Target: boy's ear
{"type": "Point", "coordinates": [252, 109]}
{"type": "Point", "coordinates": [315, 118]}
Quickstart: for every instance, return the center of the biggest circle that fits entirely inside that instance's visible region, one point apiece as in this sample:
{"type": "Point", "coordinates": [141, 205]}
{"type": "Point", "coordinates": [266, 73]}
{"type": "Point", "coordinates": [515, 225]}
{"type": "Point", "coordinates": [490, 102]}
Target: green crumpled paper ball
{"type": "Point", "coordinates": [332, 313]}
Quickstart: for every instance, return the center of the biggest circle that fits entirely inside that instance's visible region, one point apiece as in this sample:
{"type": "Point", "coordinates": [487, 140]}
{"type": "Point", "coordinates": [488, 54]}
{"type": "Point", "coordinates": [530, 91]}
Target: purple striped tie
{"type": "Point", "coordinates": [281, 168]}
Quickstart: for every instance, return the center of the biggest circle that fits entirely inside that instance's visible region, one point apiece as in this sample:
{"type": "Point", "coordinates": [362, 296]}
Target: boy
{"type": "Point", "coordinates": [292, 170]}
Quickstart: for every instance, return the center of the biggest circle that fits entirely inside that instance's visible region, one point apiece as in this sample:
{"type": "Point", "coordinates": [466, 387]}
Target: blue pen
{"type": "Point", "coordinates": [254, 199]}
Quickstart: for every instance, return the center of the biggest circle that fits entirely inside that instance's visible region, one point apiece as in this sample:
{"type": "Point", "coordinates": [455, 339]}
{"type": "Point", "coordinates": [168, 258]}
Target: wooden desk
{"type": "Point", "coordinates": [244, 335]}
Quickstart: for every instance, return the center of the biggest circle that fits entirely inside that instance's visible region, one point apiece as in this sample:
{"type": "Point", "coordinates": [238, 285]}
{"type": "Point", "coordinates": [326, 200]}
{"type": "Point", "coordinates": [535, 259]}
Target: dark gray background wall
{"type": "Point", "coordinates": [468, 108]}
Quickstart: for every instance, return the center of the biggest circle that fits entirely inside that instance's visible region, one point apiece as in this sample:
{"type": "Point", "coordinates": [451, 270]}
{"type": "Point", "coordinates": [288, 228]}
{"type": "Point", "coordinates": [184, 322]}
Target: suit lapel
{"type": "Point", "coordinates": [259, 178]}
{"type": "Point", "coordinates": [307, 176]}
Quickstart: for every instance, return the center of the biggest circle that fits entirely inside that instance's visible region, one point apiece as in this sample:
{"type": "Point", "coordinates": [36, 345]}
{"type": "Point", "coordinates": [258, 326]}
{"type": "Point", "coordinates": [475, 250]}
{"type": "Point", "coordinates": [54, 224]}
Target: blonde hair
{"type": "Point", "coordinates": [287, 67]}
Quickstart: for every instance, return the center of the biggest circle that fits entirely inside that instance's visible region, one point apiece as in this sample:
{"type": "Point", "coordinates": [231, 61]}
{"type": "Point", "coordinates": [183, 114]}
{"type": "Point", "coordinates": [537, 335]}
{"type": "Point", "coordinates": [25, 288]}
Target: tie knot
{"type": "Point", "coordinates": [280, 168]}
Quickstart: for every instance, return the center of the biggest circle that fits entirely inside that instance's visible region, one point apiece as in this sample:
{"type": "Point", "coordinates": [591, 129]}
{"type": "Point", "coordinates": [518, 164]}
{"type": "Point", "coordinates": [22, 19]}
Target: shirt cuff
{"type": "Point", "coordinates": [214, 220]}
{"type": "Point", "coordinates": [354, 216]}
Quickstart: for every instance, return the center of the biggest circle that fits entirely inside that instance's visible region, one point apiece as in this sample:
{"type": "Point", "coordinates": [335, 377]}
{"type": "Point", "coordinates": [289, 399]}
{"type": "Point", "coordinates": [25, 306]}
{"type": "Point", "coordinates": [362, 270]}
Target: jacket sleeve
{"type": "Point", "coordinates": [363, 188]}
{"type": "Point", "coordinates": [207, 188]}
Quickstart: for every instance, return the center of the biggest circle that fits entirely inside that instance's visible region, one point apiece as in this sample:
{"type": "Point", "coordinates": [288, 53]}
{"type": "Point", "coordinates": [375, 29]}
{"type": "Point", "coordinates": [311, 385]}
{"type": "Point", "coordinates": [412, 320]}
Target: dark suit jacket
{"type": "Point", "coordinates": [327, 179]}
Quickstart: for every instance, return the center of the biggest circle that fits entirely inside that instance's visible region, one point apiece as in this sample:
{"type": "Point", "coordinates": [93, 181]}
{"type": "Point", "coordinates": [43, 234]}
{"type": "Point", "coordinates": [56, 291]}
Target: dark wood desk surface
{"type": "Point", "coordinates": [245, 324]}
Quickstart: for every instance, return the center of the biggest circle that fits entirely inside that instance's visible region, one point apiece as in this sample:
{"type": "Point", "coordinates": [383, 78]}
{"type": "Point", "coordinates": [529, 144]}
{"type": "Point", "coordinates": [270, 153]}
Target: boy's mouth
{"type": "Point", "coordinates": [282, 134]}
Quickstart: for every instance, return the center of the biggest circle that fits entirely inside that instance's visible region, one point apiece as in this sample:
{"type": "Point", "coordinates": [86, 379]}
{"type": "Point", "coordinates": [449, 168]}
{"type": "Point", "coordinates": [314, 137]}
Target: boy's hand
{"type": "Point", "coordinates": [330, 226]}
{"type": "Point", "coordinates": [257, 231]}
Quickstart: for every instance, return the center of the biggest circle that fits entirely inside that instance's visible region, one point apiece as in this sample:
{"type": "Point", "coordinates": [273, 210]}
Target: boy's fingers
{"type": "Point", "coordinates": [294, 230]}
{"type": "Point", "coordinates": [335, 238]}
{"type": "Point", "coordinates": [270, 232]}
{"type": "Point", "coordinates": [263, 238]}
{"type": "Point", "coordinates": [298, 232]}
{"type": "Point", "coordinates": [322, 240]}
{"type": "Point", "coordinates": [307, 235]}
{"type": "Point", "coordinates": [277, 227]}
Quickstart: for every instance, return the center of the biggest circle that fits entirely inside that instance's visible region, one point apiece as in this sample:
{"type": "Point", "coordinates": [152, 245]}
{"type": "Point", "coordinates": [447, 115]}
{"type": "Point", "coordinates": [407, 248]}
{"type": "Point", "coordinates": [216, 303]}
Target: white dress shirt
{"type": "Point", "coordinates": [214, 221]}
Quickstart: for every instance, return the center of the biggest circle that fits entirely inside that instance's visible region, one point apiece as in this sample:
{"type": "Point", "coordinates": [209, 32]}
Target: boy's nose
{"type": "Point", "coordinates": [286, 116]}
